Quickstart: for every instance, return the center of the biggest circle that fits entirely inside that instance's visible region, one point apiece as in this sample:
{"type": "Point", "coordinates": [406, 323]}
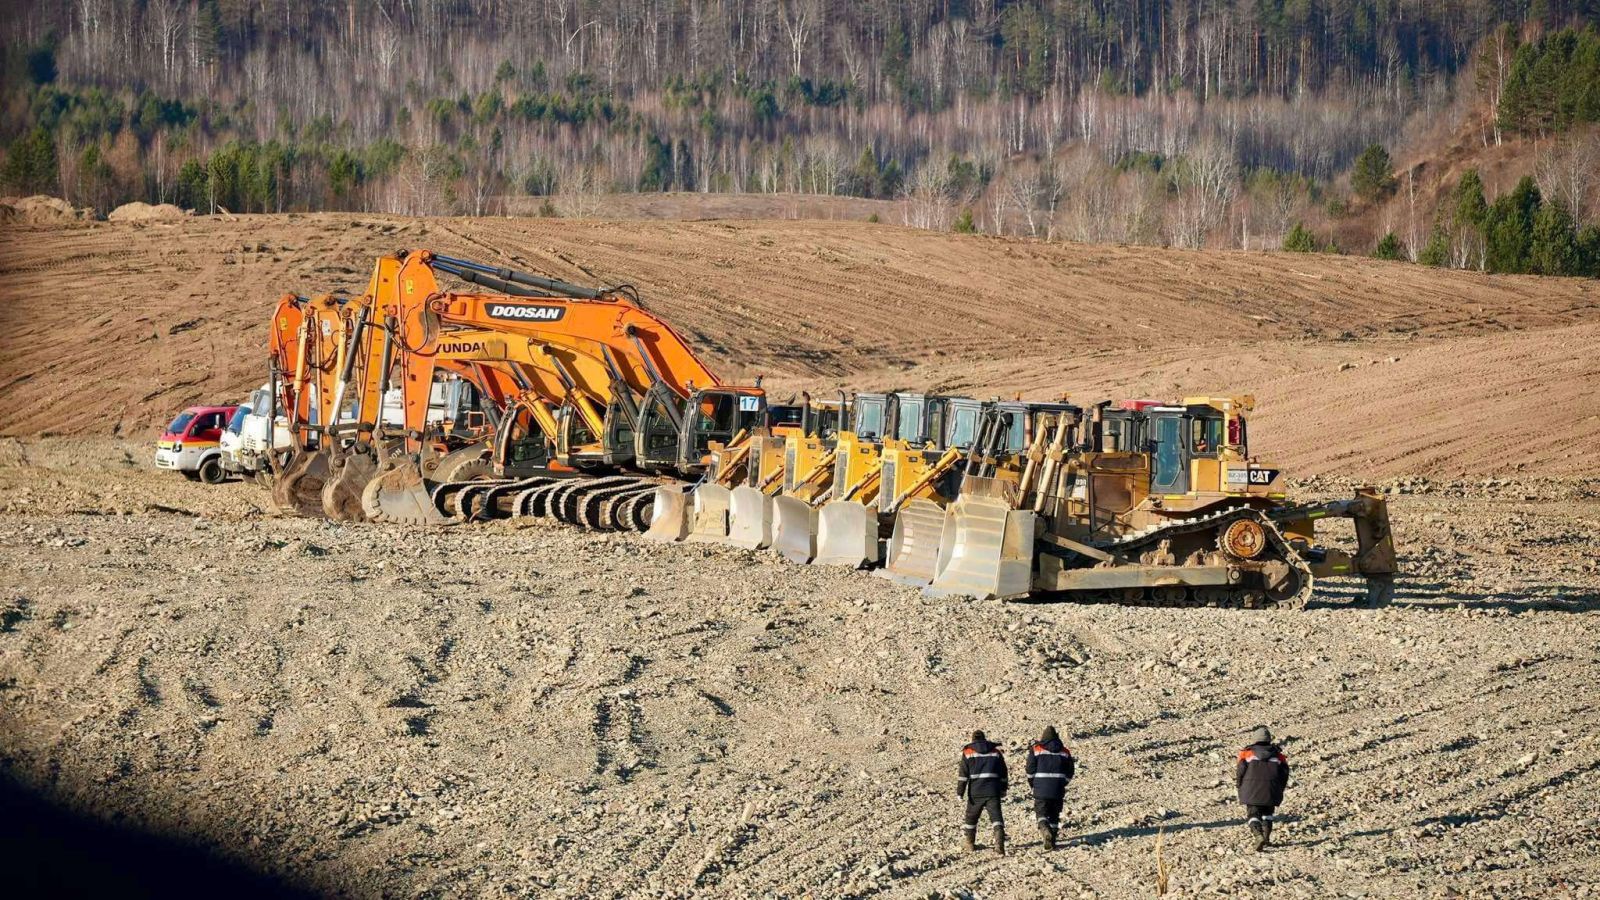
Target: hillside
{"type": "Point", "coordinates": [1362, 368]}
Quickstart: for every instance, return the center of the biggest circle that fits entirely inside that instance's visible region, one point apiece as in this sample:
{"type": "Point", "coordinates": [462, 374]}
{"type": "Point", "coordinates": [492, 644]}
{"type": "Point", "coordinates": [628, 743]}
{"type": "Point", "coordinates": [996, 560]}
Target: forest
{"type": "Point", "coordinates": [1194, 123]}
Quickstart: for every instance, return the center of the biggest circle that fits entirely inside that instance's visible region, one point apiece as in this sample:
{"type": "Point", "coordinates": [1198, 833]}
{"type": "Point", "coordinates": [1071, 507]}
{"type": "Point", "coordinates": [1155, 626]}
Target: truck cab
{"type": "Point", "coordinates": [263, 431]}
{"type": "Point", "coordinates": [192, 443]}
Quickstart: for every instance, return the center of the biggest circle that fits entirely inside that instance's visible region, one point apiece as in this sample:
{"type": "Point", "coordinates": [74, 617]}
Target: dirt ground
{"type": "Point", "coordinates": [527, 709]}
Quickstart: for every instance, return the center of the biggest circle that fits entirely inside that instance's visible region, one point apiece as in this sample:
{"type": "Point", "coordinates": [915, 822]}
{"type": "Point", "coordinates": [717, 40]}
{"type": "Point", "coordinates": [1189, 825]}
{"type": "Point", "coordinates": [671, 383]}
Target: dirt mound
{"type": "Point", "coordinates": [139, 211]}
{"type": "Point", "coordinates": [1368, 368]}
{"type": "Point", "coordinates": [39, 210]}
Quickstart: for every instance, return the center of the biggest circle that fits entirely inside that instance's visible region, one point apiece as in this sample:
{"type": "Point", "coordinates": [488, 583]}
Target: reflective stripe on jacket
{"type": "Point", "coordinates": [1050, 767]}
{"type": "Point", "coordinates": [982, 773]}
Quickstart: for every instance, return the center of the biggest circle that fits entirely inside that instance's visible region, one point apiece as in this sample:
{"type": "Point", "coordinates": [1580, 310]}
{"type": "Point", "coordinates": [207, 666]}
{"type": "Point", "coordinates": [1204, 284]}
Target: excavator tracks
{"type": "Point", "coordinates": [608, 503]}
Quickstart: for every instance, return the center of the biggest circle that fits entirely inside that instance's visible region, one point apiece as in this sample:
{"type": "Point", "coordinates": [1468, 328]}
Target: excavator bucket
{"type": "Point", "coordinates": [709, 517]}
{"type": "Point", "coordinates": [985, 550]}
{"type": "Point", "coordinates": [913, 556]}
{"type": "Point", "coordinates": [298, 490]}
{"type": "Point", "coordinates": [847, 535]}
{"type": "Point", "coordinates": [794, 529]}
{"type": "Point", "coordinates": [669, 514]}
{"type": "Point", "coordinates": [399, 494]}
{"type": "Point", "coordinates": [750, 518]}
{"type": "Point", "coordinates": [341, 493]}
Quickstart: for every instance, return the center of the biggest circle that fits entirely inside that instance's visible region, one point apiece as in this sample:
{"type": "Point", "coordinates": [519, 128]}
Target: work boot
{"type": "Point", "coordinates": [1000, 841]}
{"type": "Point", "coordinates": [1048, 836]}
{"type": "Point", "coordinates": [971, 841]}
{"type": "Point", "coordinates": [1266, 834]}
{"type": "Point", "coordinates": [1260, 833]}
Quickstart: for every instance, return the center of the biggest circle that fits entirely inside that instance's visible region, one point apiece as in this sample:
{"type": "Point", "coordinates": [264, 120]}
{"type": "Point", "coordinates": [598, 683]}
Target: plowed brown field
{"type": "Point", "coordinates": [1362, 367]}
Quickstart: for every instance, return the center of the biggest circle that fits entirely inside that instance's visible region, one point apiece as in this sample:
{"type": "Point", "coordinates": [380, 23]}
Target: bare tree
{"type": "Point", "coordinates": [797, 17]}
{"type": "Point", "coordinates": [928, 198]}
{"type": "Point", "coordinates": [1568, 171]}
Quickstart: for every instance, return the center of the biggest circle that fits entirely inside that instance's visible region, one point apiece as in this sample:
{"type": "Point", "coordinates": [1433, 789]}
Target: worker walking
{"type": "Point", "coordinates": [1261, 775]}
{"type": "Point", "coordinates": [983, 781]}
{"type": "Point", "coordinates": [1050, 767]}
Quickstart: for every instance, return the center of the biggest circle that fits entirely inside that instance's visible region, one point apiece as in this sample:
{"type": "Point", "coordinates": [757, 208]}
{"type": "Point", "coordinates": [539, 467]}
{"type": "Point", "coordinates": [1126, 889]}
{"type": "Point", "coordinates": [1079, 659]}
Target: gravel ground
{"type": "Point", "coordinates": [529, 709]}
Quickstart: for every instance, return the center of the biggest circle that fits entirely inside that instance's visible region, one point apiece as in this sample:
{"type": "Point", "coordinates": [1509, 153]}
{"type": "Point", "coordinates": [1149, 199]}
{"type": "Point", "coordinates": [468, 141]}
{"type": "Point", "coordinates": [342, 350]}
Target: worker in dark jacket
{"type": "Point", "coordinates": [982, 780]}
{"type": "Point", "coordinates": [1050, 767]}
{"type": "Point", "coordinates": [1261, 775]}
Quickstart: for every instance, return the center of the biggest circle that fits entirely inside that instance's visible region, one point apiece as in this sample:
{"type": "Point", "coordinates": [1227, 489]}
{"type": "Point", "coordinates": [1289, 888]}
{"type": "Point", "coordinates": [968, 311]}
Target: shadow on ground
{"type": "Point", "coordinates": [50, 851]}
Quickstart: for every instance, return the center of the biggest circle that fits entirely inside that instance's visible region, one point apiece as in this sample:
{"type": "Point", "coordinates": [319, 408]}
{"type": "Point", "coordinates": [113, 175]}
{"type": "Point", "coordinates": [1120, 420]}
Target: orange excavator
{"type": "Point", "coordinates": [626, 404]}
{"type": "Point", "coordinates": [312, 375]}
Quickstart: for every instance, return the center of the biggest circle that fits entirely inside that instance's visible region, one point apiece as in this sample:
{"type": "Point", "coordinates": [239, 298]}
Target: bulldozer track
{"type": "Point", "coordinates": [1243, 597]}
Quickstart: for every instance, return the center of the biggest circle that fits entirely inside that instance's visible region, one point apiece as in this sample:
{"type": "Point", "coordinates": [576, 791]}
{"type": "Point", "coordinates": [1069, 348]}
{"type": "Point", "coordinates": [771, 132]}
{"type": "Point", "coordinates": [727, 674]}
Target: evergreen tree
{"type": "Point", "coordinates": [31, 163]}
{"type": "Point", "coordinates": [1389, 248]}
{"type": "Point", "coordinates": [1553, 249]}
{"type": "Point", "coordinates": [1437, 251]}
{"type": "Point", "coordinates": [1508, 229]}
{"type": "Point", "coordinates": [1300, 240]}
{"type": "Point", "coordinates": [657, 172]}
{"type": "Point", "coordinates": [964, 223]}
{"type": "Point", "coordinates": [1471, 208]}
{"type": "Point", "coordinates": [1373, 176]}
{"type": "Point", "coordinates": [1589, 251]}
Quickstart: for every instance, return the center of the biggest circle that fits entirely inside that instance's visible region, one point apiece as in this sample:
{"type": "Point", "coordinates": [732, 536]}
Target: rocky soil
{"type": "Point", "coordinates": [528, 709]}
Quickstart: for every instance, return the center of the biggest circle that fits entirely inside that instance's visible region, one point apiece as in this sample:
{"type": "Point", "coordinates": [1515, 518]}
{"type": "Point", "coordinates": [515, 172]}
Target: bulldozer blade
{"type": "Point", "coordinates": [399, 494]}
{"type": "Point", "coordinates": [847, 535]}
{"type": "Point", "coordinates": [709, 513]}
{"type": "Point", "coordinates": [298, 491]}
{"type": "Point", "coordinates": [341, 493]}
{"type": "Point", "coordinates": [913, 556]}
{"type": "Point", "coordinates": [669, 515]}
{"type": "Point", "coordinates": [749, 518]}
{"type": "Point", "coordinates": [794, 529]}
{"type": "Point", "coordinates": [985, 550]}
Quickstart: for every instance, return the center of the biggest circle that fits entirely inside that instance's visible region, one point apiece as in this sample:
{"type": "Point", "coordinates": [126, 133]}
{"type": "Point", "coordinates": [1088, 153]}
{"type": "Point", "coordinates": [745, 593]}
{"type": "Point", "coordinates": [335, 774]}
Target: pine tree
{"type": "Point", "coordinates": [31, 163]}
{"type": "Point", "coordinates": [1373, 176]}
{"type": "Point", "coordinates": [1437, 251]}
{"type": "Point", "coordinates": [1553, 249]}
{"type": "Point", "coordinates": [1389, 248]}
{"type": "Point", "coordinates": [1300, 240]}
{"type": "Point", "coordinates": [964, 223]}
{"type": "Point", "coordinates": [1508, 229]}
{"type": "Point", "coordinates": [1471, 208]}
{"type": "Point", "coordinates": [1589, 251]}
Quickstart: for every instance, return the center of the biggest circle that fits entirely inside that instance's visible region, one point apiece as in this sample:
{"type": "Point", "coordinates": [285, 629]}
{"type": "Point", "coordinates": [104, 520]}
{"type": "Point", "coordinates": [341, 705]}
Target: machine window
{"type": "Point", "coordinates": [964, 428]}
{"type": "Point", "coordinates": [1206, 434]}
{"type": "Point", "coordinates": [870, 419]}
{"type": "Point", "coordinates": [1169, 451]}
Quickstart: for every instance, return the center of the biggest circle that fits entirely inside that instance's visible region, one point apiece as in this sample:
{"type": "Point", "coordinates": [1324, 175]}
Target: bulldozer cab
{"type": "Point", "coordinates": [960, 418]}
{"type": "Point", "coordinates": [1181, 436]}
{"type": "Point", "coordinates": [784, 415]}
{"type": "Point", "coordinates": [820, 419]}
{"type": "Point", "coordinates": [868, 413]}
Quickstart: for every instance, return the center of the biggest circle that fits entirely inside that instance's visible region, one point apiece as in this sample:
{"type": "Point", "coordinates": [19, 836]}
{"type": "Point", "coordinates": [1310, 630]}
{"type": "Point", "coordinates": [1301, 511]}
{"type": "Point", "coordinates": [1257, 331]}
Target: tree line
{"type": "Point", "coordinates": [1175, 121]}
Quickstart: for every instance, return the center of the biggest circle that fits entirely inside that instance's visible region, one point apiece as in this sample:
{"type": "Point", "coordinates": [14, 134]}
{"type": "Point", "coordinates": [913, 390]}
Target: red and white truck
{"type": "Point", "coordinates": [192, 443]}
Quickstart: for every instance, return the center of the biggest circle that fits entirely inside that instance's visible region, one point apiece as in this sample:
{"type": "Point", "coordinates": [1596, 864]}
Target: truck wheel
{"type": "Point", "coordinates": [211, 470]}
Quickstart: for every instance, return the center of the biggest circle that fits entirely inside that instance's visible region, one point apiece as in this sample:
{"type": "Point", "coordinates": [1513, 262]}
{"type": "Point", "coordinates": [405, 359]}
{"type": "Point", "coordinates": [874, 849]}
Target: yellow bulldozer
{"type": "Point", "coordinates": [1150, 503]}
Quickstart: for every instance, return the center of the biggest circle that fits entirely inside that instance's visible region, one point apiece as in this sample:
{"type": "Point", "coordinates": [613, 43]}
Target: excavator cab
{"type": "Point", "coordinates": [717, 416]}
